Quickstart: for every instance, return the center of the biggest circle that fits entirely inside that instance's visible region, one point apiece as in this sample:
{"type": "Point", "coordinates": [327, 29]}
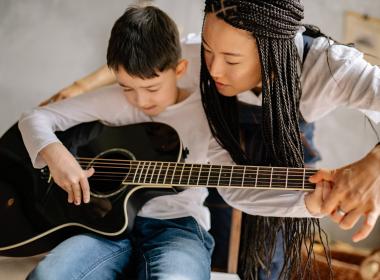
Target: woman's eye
{"type": "Point", "coordinates": [232, 63]}
{"type": "Point", "coordinates": [206, 50]}
{"type": "Point", "coordinates": [127, 89]}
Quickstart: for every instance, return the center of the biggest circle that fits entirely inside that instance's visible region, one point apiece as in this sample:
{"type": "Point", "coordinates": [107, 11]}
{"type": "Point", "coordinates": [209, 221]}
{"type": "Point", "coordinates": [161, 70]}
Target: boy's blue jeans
{"type": "Point", "coordinates": [158, 249]}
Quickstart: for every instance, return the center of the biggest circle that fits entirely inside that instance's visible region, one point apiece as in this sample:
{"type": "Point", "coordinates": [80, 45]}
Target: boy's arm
{"type": "Point", "coordinates": [38, 125]}
{"type": "Point", "coordinates": [37, 128]}
{"type": "Point", "coordinates": [97, 79]}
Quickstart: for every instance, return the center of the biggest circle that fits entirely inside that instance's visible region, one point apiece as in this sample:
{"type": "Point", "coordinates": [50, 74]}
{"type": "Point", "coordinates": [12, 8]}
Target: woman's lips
{"type": "Point", "coordinates": [220, 85]}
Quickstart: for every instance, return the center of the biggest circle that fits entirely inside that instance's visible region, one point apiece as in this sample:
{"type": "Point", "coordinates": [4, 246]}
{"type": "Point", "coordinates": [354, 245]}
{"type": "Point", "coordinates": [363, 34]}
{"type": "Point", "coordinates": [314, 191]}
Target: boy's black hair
{"type": "Point", "coordinates": [144, 41]}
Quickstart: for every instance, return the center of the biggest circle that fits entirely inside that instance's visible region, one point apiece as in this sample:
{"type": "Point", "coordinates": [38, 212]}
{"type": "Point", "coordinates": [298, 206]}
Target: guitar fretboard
{"type": "Point", "coordinates": [227, 176]}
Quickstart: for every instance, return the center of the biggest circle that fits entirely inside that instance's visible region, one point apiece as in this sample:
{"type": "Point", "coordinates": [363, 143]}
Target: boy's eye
{"type": "Point", "coordinates": [127, 89]}
{"type": "Point", "coordinates": [152, 90]}
{"type": "Point", "coordinates": [232, 63]}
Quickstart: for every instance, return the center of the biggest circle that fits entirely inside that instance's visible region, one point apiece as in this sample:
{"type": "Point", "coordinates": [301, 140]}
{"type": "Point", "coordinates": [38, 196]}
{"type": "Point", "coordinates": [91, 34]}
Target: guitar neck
{"type": "Point", "coordinates": [187, 175]}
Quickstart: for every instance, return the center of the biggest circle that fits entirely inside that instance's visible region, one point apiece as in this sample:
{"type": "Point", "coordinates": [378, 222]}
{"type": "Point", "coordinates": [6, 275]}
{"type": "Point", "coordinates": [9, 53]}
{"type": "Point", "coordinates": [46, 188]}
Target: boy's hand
{"type": "Point", "coordinates": [67, 173]}
{"type": "Point", "coordinates": [315, 199]}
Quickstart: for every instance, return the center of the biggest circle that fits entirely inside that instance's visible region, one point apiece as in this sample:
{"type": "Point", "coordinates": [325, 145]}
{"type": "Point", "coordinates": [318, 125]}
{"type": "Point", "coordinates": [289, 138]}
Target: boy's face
{"type": "Point", "coordinates": [151, 96]}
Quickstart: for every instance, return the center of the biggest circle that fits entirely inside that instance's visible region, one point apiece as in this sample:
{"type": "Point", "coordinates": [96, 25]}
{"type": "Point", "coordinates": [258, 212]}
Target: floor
{"type": "Point", "coordinates": [18, 268]}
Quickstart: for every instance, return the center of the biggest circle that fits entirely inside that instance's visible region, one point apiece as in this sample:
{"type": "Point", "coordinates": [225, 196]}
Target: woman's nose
{"type": "Point", "coordinates": [216, 68]}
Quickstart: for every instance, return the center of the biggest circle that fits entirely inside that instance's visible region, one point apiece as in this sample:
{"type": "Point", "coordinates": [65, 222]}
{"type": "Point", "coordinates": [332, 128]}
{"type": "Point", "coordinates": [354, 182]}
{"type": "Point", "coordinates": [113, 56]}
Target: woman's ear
{"type": "Point", "coordinates": [181, 68]}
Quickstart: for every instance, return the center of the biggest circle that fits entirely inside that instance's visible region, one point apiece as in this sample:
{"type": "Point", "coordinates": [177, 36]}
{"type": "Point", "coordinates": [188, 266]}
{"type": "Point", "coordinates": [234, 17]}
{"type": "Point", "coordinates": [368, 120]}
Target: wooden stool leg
{"type": "Point", "coordinates": [233, 252]}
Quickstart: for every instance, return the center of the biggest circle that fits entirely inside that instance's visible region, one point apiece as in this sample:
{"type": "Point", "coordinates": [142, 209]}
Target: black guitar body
{"type": "Point", "coordinates": [34, 212]}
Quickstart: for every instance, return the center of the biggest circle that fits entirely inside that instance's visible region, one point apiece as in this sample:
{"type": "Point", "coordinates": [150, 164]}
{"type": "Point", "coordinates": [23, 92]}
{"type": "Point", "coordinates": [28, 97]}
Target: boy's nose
{"type": "Point", "coordinates": [142, 100]}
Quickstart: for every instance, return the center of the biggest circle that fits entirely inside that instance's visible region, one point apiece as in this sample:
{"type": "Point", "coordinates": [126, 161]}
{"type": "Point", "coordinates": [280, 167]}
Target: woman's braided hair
{"type": "Point", "coordinates": [274, 24]}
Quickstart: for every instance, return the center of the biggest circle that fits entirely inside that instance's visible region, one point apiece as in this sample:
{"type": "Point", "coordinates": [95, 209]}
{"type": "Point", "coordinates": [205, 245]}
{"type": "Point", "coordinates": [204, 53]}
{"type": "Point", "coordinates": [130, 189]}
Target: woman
{"type": "Point", "coordinates": [254, 47]}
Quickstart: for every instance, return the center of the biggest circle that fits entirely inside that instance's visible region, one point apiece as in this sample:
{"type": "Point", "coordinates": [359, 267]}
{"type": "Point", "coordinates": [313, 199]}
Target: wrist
{"type": "Point", "coordinates": [48, 153]}
{"type": "Point", "coordinates": [81, 85]}
{"type": "Point", "coordinates": [375, 152]}
{"type": "Point", "coordinates": [312, 207]}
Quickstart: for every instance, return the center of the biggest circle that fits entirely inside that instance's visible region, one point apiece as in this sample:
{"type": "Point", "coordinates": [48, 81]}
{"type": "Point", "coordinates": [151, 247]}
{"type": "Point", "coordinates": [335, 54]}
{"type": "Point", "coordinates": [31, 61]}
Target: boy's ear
{"type": "Point", "coordinates": [181, 68]}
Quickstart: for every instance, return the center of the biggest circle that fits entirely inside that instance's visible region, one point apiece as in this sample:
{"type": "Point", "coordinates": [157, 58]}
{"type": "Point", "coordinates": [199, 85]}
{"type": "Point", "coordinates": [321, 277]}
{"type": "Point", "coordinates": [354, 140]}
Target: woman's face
{"type": "Point", "coordinates": [231, 56]}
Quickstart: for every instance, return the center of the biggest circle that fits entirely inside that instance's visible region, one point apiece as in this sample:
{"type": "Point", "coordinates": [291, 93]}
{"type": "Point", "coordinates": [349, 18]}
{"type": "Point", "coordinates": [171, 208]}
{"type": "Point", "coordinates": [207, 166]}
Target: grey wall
{"type": "Point", "coordinates": [47, 44]}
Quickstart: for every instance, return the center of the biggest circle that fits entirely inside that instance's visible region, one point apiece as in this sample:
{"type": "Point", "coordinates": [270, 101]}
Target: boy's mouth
{"type": "Point", "coordinates": [148, 108]}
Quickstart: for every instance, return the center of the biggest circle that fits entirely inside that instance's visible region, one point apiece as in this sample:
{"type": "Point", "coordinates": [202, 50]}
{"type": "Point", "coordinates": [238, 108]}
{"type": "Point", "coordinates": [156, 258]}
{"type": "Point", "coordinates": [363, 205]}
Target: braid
{"type": "Point", "coordinates": [274, 23]}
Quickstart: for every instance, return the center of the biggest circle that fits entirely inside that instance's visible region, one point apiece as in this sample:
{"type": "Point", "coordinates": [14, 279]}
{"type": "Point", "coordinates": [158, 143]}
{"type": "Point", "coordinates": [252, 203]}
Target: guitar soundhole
{"type": "Point", "coordinates": [111, 167]}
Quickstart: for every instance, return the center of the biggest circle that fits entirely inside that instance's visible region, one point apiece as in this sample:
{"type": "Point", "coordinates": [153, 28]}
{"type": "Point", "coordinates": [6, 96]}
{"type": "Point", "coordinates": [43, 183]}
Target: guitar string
{"type": "Point", "coordinates": [264, 171]}
{"type": "Point", "coordinates": [133, 163]}
{"type": "Point", "coordinates": [272, 172]}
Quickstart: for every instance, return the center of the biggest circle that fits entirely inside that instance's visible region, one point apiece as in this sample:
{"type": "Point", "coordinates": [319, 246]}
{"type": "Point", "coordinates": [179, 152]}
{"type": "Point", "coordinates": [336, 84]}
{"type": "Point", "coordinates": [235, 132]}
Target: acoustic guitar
{"type": "Point", "coordinates": [133, 164]}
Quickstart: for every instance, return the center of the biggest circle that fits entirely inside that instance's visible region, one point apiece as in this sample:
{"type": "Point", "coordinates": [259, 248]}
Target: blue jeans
{"type": "Point", "coordinates": [157, 249]}
{"type": "Point", "coordinates": [277, 262]}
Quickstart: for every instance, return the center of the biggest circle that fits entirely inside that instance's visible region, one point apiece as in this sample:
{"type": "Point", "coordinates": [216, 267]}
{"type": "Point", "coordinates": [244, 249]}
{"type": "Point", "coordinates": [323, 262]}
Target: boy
{"type": "Point", "coordinates": [170, 238]}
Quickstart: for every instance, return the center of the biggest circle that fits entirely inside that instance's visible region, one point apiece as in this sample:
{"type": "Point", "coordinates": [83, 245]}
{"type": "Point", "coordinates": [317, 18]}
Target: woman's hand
{"type": "Point", "coordinates": [355, 192]}
{"type": "Point", "coordinates": [97, 79]}
{"type": "Point", "coordinates": [67, 173]}
{"type": "Point", "coordinates": [315, 199]}
{"type": "Point", "coordinates": [67, 92]}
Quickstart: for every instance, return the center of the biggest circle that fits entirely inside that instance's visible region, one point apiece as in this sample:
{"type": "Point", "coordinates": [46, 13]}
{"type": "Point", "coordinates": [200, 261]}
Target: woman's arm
{"type": "Point", "coordinates": [97, 79]}
{"type": "Point", "coordinates": [335, 76]}
{"type": "Point", "coordinates": [272, 203]}
{"type": "Point", "coordinates": [355, 192]}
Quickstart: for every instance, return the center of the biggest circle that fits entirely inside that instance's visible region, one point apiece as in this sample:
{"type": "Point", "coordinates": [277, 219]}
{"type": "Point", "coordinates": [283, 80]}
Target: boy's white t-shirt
{"type": "Point", "coordinates": [354, 83]}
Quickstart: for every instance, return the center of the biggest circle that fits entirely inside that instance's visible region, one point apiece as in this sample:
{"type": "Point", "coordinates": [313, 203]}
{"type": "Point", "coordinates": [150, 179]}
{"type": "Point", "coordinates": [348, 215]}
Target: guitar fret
{"type": "Point", "coordinates": [166, 173]}
{"type": "Point", "coordinates": [147, 171]}
{"type": "Point", "coordinates": [264, 180]}
{"type": "Point", "coordinates": [220, 172]}
{"type": "Point", "coordinates": [243, 178]}
{"type": "Point", "coordinates": [196, 173]}
{"type": "Point", "coordinates": [180, 178]}
{"type": "Point", "coordinates": [188, 179]}
{"type": "Point", "coordinates": [271, 176]}
{"type": "Point", "coordinates": [159, 173]}
{"type": "Point", "coordinates": [204, 175]}
{"type": "Point", "coordinates": [173, 174]}
{"type": "Point", "coordinates": [232, 169]}
{"type": "Point", "coordinates": [208, 177]}
{"type": "Point", "coordinates": [137, 168]}
{"type": "Point", "coordinates": [286, 180]}
{"type": "Point", "coordinates": [303, 179]}
{"type": "Point", "coordinates": [142, 170]}
{"type": "Point", "coordinates": [199, 174]}
{"type": "Point", "coordinates": [257, 175]}
{"type": "Point", "coordinates": [154, 168]}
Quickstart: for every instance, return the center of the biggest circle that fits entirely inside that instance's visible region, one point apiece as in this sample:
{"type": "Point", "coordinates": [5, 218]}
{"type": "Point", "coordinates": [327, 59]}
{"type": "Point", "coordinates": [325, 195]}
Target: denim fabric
{"type": "Point", "coordinates": [276, 264]}
{"type": "Point", "coordinates": [156, 249]}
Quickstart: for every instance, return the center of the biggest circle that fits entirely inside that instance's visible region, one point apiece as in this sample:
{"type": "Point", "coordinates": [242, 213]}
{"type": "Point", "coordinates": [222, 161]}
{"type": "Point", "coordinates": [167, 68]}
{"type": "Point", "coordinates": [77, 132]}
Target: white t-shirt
{"type": "Point", "coordinates": [351, 81]}
{"type": "Point", "coordinates": [355, 84]}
